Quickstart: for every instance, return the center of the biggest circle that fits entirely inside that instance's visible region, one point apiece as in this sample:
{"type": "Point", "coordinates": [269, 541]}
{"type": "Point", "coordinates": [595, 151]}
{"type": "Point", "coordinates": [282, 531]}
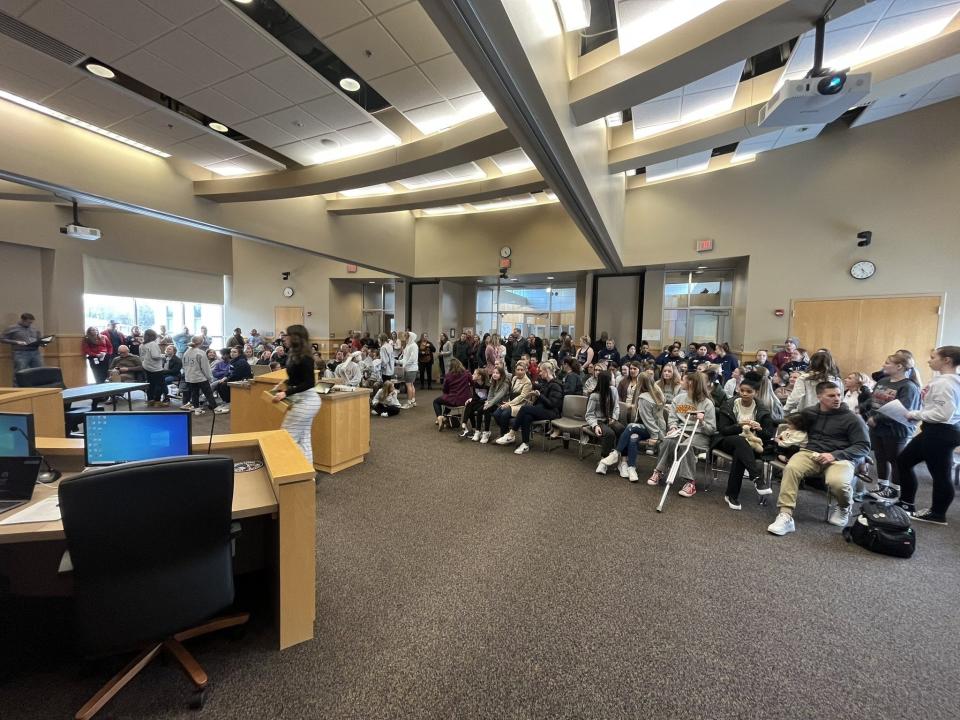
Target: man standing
{"type": "Point", "coordinates": [114, 337]}
{"type": "Point", "coordinates": [24, 340]}
{"type": "Point", "coordinates": [182, 340]}
{"type": "Point", "coordinates": [236, 340]}
{"type": "Point", "coordinates": [836, 441]}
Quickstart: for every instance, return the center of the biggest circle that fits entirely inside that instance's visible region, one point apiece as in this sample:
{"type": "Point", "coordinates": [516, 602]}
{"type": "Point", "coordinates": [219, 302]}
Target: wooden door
{"type": "Point", "coordinates": [286, 315]}
{"type": "Point", "coordinates": [862, 332]}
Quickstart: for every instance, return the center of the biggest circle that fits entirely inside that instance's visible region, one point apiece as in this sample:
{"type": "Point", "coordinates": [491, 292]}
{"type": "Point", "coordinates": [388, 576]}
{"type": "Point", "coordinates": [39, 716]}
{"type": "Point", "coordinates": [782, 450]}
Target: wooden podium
{"type": "Point", "coordinates": [341, 430]}
{"type": "Point", "coordinates": [46, 405]}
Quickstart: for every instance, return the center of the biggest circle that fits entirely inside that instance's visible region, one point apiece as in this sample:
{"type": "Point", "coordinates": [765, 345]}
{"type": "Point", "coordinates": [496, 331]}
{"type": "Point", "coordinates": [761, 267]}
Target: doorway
{"type": "Point", "coordinates": [286, 315]}
{"type": "Point", "coordinates": [862, 332]}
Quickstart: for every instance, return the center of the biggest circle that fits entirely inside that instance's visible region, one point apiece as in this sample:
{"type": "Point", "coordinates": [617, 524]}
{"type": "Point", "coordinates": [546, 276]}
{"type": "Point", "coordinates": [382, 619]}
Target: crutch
{"type": "Point", "coordinates": [678, 456]}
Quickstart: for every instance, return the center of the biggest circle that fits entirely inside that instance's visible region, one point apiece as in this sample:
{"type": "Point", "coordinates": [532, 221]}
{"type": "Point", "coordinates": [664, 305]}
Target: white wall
{"type": "Point", "coordinates": [425, 310]}
{"type": "Point", "coordinates": [618, 302]}
{"type": "Point", "coordinates": [451, 305]}
{"type": "Point", "coordinates": [22, 288]}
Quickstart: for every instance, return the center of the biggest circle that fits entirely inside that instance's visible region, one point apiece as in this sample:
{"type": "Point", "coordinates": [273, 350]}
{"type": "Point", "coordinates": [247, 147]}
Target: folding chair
{"type": "Point", "coordinates": [571, 417]}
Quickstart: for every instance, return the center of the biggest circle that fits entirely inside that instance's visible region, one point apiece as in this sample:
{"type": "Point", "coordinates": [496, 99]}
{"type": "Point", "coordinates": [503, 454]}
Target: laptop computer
{"type": "Point", "coordinates": [18, 477]}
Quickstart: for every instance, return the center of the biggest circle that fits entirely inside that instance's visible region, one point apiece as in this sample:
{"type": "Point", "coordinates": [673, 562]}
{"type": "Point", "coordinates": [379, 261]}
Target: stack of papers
{"type": "Point", "coordinates": [47, 510]}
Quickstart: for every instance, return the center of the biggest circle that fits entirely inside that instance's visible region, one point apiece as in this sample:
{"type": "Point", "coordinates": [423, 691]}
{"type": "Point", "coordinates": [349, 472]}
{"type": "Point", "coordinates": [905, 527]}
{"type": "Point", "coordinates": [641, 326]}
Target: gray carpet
{"type": "Point", "coordinates": [459, 581]}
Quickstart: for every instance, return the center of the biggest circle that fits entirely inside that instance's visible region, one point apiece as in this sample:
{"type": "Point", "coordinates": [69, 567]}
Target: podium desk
{"type": "Point", "coordinates": [282, 492]}
{"type": "Point", "coordinates": [45, 404]}
{"type": "Point", "coordinates": [341, 430]}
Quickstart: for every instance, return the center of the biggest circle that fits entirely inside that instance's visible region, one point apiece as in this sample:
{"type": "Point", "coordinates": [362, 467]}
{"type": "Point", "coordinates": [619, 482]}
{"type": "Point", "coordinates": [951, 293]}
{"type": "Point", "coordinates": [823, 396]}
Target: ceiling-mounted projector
{"type": "Point", "coordinates": [79, 232]}
{"type": "Point", "coordinates": [814, 100]}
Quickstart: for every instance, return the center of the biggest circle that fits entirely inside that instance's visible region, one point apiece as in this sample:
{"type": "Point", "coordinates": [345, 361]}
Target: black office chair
{"type": "Point", "coordinates": [150, 544]}
{"type": "Point", "coordinates": [52, 377]}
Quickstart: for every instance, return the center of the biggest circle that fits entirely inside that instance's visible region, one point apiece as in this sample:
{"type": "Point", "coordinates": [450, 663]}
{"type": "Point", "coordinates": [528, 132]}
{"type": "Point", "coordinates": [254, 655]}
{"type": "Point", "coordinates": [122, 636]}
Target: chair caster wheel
{"type": "Point", "coordinates": [199, 699]}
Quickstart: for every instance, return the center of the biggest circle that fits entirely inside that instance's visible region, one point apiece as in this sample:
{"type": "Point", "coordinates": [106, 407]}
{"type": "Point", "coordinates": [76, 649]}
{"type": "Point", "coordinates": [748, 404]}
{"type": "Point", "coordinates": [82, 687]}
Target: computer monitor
{"type": "Point", "coordinates": [13, 428]}
{"type": "Point", "coordinates": [117, 437]}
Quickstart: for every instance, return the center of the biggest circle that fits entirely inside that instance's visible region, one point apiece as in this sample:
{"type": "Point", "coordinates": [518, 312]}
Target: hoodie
{"type": "Point", "coordinates": [941, 401]}
{"type": "Point", "coordinates": [650, 416]}
{"type": "Point", "coordinates": [839, 432]}
{"type": "Point", "coordinates": [386, 359]}
{"type": "Point", "coordinates": [411, 356]}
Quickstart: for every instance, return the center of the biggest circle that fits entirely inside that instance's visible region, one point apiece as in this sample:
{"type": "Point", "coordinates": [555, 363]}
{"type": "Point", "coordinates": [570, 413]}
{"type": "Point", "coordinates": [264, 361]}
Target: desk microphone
{"type": "Point", "coordinates": [50, 475]}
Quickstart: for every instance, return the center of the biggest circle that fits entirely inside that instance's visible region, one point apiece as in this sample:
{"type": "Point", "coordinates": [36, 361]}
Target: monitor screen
{"type": "Point", "coordinates": [117, 437]}
{"type": "Point", "coordinates": [13, 428]}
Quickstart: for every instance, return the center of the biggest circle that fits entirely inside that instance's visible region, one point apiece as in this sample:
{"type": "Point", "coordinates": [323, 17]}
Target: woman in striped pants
{"type": "Point", "coordinates": [299, 389]}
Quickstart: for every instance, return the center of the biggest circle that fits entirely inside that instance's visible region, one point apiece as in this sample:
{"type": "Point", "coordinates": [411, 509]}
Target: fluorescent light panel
{"type": "Point", "coordinates": [504, 203]}
{"type": "Point", "coordinates": [705, 98]}
{"type": "Point", "coordinates": [368, 191]}
{"type": "Point", "coordinates": [353, 149]}
{"type": "Point", "coordinates": [55, 114]}
{"type": "Point", "coordinates": [575, 14]}
{"type": "Point", "coordinates": [449, 176]}
{"type": "Point", "coordinates": [444, 210]}
{"type": "Point", "coordinates": [512, 161]}
{"type": "Point", "coordinates": [640, 21]}
{"type": "Point", "coordinates": [614, 119]}
{"type": "Point", "coordinates": [443, 115]}
{"type": "Point", "coordinates": [686, 165]}
{"type": "Point", "coordinates": [878, 29]}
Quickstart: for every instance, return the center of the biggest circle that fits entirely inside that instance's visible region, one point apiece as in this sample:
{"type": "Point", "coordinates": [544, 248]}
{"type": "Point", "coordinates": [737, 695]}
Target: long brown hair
{"type": "Point", "coordinates": [822, 367]}
{"type": "Point", "coordinates": [299, 342]}
{"type": "Point", "coordinates": [698, 387]}
{"type": "Point", "coordinates": [647, 385]}
{"type": "Point", "coordinates": [675, 379]}
{"type": "Point", "coordinates": [456, 367]}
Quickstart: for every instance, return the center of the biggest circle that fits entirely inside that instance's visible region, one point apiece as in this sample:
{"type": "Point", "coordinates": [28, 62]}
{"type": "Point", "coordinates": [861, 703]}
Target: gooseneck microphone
{"type": "Point", "coordinates": [50, 475]}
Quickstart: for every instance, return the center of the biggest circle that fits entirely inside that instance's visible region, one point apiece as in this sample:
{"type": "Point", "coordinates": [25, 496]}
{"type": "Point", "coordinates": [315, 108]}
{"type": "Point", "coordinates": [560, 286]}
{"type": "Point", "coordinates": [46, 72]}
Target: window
{"type": "Point", "coordinates": [378, 308]}
{"type": "Point", "coordinates": [151, 314]}
{"type": "Point", "coordinates": [697, 306]}
{"type": "Point", "coordinates": [544, 310]}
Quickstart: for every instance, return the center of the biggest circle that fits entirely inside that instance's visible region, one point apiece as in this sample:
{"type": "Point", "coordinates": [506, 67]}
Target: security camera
{"type": "Point", "coordinates": [285, 275]}
{"type": "Point", "coordinates": [865, 237]}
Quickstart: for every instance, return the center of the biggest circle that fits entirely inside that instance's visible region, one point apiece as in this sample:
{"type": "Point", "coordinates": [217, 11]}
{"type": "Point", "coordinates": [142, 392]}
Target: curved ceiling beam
{"type": "Point", "coordinates": [464, 143]}
{"type": "Point", "coordinates": [522, 182]}
{"type": "Point", "coordinates": [719, 37]}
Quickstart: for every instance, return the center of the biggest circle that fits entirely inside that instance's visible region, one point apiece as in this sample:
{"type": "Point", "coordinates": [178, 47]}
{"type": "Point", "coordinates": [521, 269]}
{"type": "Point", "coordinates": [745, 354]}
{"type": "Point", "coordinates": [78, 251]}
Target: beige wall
{"type": "Point", "coordinates": [22, 287]}
{"type": "Point", "coordinates": [618, 301]}
{"type": "Point", "coordinates": [543, 240]}
{"type": "Point", "coordinates": [795, 212]}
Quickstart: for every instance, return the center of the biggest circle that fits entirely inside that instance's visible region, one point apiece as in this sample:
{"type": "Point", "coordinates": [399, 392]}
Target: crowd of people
{"type": "Point", "coordinates": [795, 407]}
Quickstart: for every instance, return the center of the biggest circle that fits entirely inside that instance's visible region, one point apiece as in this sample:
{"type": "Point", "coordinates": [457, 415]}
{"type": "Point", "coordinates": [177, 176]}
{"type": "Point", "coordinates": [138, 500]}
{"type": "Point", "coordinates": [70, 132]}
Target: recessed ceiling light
{"type": "Point", "coordinates": [243, 2]}
{"type": "Point", "coordinates": [219, 127]}
{"type": "Point", "coordinates": [701, 267]}
{"type": "Point", "coordinates": [349, 84]}
{"type": "Point", "coordinates": [513, 279]}
{"type": "Point", "coordinates": [371, 282]}
{"type": "Point", "coordinates": [549, 277]}
{"type": "Point", "coordinates": [101, 71]}
{"type": "Point", "coordinates": [479, 281]}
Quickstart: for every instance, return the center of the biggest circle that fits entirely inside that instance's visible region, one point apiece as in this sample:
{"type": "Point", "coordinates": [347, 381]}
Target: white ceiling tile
{"type": "Point", "coordinates": [297, 122]}
{"type": "Point", "coordinates": [866, 14]}
{"type": "Point", "coordinates": [797, 134]}
{"type": "Point", "coordinates": [946, 88]}
{"type": "Point", "coordinates": [185, 52]}
{"type": "Point", "coordinates": [433, 117]}
{"type": "Point", "coordinates": [379, 6]}
{"type": "Point", "coordinates": [449, 76]}
{"type": "Point", "coordinates": [151, 70]}
{"type": "Point", "coordinates": [243, 165]}
{"type": "Point", "coordinates": [72, 27]}
{"type": "Point", "coordinates": [189, 151]}
{"type": "Point", "coordinates": [336, 111]}
{"type": "Point", "coordinates": [252, 94]}
{"type": "Point", "coordinates": [102, 104]}
{"type": "Point", "coordinates": [16, 82]}
{"type": "Point", "coordinates": [365, 133]}
{"type": "Point", "coordinates": [171, 125]}
{"type": "Point", "coordinates": [15, 7]}
{"type": "Point", "coordinates": [471, 106]}
{"type": "Point", "coordinates": [36, 65]}
{"type": "Point", "coordinates": [292, 80]}
{"type": "Point", "coordinates": [412, 28]}
{"type": "Point", "coordinates": [325, 17]}
{"type": "Point", "coordinates": [181, 11]}
{"type": "Point", "coordinates": [883, 112]}
{"type": "Point", "coordinates": [138, 131]}
{"type": "Point", "coordinates": [903, 7]}
{"type": "Point", "coordinates": [232, 36]}
{"type": "Point", "coordinates": [729, 76]}
{"type": "Point", "coordinates": [512, 161]}
{"type": "Point", "coordinates": [929, 101]}
{"type": "Point", "coordinates": [129, 19]}
{"type": "Point", "coordinates": [352, 45]}
{"type": "Point", "coordinates": [217, 145]}
{"type": "Point", "coordinates": [407, 89]}
{"type": "Point", "coordinates": [264, 131]}
{"type": "Point", "coordinates": [303, 152]}
{"type": "Point", "coordinates": [217, 106]}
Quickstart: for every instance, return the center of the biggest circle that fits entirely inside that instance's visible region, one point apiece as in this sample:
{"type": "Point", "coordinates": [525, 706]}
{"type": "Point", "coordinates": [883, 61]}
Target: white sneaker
{"type": "Point", "coordinates": [476, 435]}
{"type": "Point", "coordinates": [374, 412]}
{"type": "Point", "coordinates": [601, 468]}
{"type": "Point", "coordinates": [484, 437]}
{"type": "Point", "coordinates": [623, 469]}
{"type": "Point", "coordinates": [406, 406]}
{"type": "Point", "coordinates": [466, 431]}
{"type": "Point", "coordinates": [782, 525]}
{"type": "Point", "coordinates": [222, 410]}
{"type": "Point", "coordinates": [199, 411]}
{"type": "Point", "coordinates": [384, 414]}
{"type": "Point", "coordinates": [507, 439]}
{"type": "Point", "coordinates": [839, 516]}
{"type": "Point", "coordinates": [521, 449]}
{"type": "Point", "coordinates": [186, 406]}
{"type": "Point", "coordinates": [732, 504]}
{"type": "Point", "coordinates": [611, 459]}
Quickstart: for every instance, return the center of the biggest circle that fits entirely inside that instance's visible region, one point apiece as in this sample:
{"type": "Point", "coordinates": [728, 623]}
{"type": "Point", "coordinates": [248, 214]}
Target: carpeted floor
{"type": "Point", "coordinates": [459, 581]}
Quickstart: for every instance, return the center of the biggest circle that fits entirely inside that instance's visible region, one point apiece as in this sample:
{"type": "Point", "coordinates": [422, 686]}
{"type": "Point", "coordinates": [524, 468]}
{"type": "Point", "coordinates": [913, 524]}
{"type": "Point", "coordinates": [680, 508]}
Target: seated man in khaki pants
{"type": "Point", "coordinates": [837, 441]}
{"type": "Point", "coordinates": [125, 367]}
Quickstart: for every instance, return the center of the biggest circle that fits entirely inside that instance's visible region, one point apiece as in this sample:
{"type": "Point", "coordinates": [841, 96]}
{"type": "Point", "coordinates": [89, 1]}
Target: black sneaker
{"type": "Point", "coordinates": [884, 493]}
{"type": "Point", "coordinates": [928, 516]}
{"type": "Point", "coordinates": [763, 487]}
{"type": "Point", "coordinates": [909, 508]}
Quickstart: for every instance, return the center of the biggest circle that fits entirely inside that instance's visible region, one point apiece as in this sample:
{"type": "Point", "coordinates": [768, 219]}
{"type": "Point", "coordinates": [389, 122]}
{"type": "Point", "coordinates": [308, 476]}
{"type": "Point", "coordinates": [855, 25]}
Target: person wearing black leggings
{"type": "Point", "coordinates": [939, 436]}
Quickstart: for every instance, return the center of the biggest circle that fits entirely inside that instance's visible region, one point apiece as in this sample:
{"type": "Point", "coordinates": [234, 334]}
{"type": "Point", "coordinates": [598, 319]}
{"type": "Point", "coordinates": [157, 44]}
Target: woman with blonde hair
{"type": "Point", "coordinates": [585, 352]}
{"type": "Point", "coordinates": [669, 382]}
{"type": "Point", "coordinates": [410, 364]}
{"type": "Point", "coordinates": [857, 387]}
{"type": "Point", "coordinates": [520, 387]}
{"type": "Point", "coordinates": [491, 352]}
{"type": "Point", "coordinates": [646, 425]}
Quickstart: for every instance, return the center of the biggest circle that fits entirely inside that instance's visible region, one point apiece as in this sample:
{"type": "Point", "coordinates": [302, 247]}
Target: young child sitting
{"type": "Point", "coordinates": [793, 438]}
{"type": "Point", "coordinates": [385, 403]}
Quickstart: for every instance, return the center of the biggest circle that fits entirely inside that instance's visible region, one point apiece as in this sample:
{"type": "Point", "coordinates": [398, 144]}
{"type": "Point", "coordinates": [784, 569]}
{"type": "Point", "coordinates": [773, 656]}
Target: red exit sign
{"type": "Point", "coordinates": [704, 246]}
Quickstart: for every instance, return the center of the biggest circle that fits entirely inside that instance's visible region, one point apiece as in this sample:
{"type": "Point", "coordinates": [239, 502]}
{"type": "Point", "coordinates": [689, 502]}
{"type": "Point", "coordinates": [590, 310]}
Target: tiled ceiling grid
{"type": "Point", "coordinates": [209, 56]}
{"type": "Point", "coordinates": [395, 47]}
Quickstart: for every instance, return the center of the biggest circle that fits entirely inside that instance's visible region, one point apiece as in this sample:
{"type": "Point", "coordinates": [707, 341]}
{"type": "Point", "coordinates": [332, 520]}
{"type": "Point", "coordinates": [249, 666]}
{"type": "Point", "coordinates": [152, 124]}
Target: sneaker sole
{"type": "Point", "coordinates": [929, 520]}
{"type": "Point", "coordinates": [765, 491]}
{"type": "Point", "coordinates": [780, 534]}
{"type": "Point", "coordinates": [732, 505]}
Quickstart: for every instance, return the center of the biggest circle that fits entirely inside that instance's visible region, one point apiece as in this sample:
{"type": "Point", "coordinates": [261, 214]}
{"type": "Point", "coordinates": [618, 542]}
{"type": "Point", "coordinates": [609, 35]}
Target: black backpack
{"type": "Point", "coordinates": [884, 529]}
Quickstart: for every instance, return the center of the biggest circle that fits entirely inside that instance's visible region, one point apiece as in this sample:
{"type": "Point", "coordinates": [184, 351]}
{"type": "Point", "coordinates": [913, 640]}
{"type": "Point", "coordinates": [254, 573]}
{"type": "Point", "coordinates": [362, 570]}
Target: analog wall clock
{"type": "Point", "coordinates": [505, 251]}
{"type": "Point", "coordinates": [288, 292]}
{"type": "Point", "coordinates": [863, 270]}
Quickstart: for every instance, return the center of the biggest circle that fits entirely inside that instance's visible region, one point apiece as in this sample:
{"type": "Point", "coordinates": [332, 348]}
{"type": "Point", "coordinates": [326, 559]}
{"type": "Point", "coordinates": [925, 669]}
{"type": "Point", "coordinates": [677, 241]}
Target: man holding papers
{"type": "Point", "coordinates": [25, 342]}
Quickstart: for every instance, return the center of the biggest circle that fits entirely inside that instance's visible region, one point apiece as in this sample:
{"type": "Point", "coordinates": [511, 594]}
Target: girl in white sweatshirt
{"type": "Point", "coordinates": [940, 434]}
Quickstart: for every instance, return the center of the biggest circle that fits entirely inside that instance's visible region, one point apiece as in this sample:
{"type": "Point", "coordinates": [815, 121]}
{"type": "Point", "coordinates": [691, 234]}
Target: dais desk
{"type": "Point", "coordinates": [341, 430]}
{"type": "Point", "coordinates": [284, 490]}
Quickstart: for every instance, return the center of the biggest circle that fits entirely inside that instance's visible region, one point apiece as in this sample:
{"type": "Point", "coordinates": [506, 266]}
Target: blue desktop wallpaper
{"type": "Point", "coordinates": [124, 437]}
